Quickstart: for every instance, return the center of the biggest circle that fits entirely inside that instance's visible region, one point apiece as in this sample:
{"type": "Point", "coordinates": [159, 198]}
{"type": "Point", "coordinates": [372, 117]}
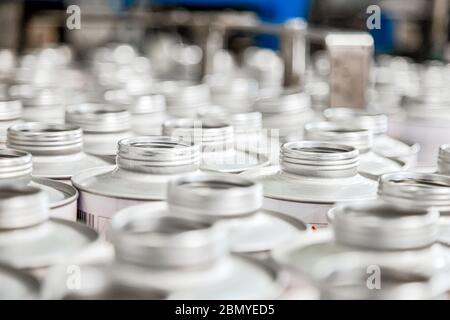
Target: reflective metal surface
{"type": "Point", "coordinates": [237, 203]}
{"type": "Point", "coordinates": [31, 241]}
{"type": "Point", "coordinates": [216, 139]}
{"type": "Point", "coordinates": [57, 149]}
{"type": "Point", "coordinates": [16, 170]}
{"type": "Point", "coordinates": [144, 167]}
{"type": "Point", "coordinates": [312, 176]}
{"type": "Point", "coordinates": [356, 136]}
{"type": "Point", "coordinates": [103, 126]}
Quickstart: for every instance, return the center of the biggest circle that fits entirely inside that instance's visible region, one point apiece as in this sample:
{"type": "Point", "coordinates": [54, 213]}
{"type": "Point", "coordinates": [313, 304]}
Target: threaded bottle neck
{"type": "Point", "coordinates": [15, 167]}
{"type": "Point", "coordinates": [319, 159]}
{"type": "Point", "coordinates": [41, 139]}
{"type": "Point", "coordinates": [158, 155]}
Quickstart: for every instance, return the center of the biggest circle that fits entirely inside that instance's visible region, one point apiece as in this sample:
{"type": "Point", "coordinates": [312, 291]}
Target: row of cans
{"type": "Point", "coordinates": [212, 239]}
{"type": "Point", "coordinates": [219, 202]}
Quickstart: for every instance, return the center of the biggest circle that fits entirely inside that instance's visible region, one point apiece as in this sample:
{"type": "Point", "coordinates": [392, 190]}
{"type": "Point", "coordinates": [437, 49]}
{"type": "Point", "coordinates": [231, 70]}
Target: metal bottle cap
{"type": "Point", "coordinates": [319, 159]}
{"type": "Point", "coordinates": [377, 225]}
{"type": "Point", "coordinates": [158, 154]}
{"type": "Point", "coordinates": [352, 135]}
{"type": "Point", "coordinates": [97, 117]}
{"type": "Point", "coordinates": [375, 122]}
{"type": "Point", "coordinates": [15, 166]}
{"type": "Point", "coordinates": [10, 109]}
{"type": "Point", "coordinates": [214, 195]}
{"type": "Point", "coordinates": [419, 190]}
{"type": "Point", "coordinates": [45, 139]}
{"type": "Point", "coordinates": [22, 207]}
{"type": "Point", "coordinates": [211, 134]}
{"type": "Point", "coordinates": [160, 240]}
{"type": "Point", "coordinates": [444, 159]}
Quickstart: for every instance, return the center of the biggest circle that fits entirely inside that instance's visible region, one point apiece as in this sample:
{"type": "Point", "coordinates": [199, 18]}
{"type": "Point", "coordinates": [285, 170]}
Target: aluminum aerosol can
{"type": "Point", "coordinates": [29, 239]}
{"type": "Point", "coordinates": [144, 167]}
{"type": "Point", "coordinates": [383, 144]}
{"type": "Point", "coordinates": [17, 285]}
{"type": "Point", "coordinates": [216, 139]}
{"type": "Point", "coordinates": [404, 247]}
{"type": "Point", "coordinates": [311, 178]}
{"type": "Point", "coordinates": [103, 126]}
{"type": "Point", "coordinates": [237, 203]}
{"type": "Point", "coordinates": [162, 256]}
{"type": "Point", "coordinates": [16, 170]}
{"type": "Point", "coordinates": [184, 98]}
{"type": "Point", "coordinates": [370, 163]}
{"type": "Point", "coordinates": [420, 190]}
{"type": "Point", "coordinates": [57, 149]}
{"type": "Point", "coordinates": [10, 113]}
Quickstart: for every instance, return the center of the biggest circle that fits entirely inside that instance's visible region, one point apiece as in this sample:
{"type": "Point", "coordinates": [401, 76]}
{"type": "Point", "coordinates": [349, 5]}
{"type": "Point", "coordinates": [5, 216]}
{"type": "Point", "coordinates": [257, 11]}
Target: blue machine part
{"type": "Point", "coordinates": [278, 11]}
{"type": "Point", "coordinates": [275, 11]}
{"type": "Point", "coordinates": [384, 37]}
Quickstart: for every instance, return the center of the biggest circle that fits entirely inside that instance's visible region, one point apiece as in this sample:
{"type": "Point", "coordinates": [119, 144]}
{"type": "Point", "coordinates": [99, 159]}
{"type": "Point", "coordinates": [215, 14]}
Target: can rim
{"type": "Point", "coordinates": [377, 225]}
{"type": "Point", "coordinates": [417, 189]}
{"type": "Point", "coordinates": [40, 138]}
{"type": "Point", "coordinates": [350, 270]}
{"type": "Point", "coordinates": [151, 153]}
{"type": "Point", "coordinates": [15, 164]}
{"type": "Point", "coordinates": [70, 193]}
{"type": "Point", "coordinates": [22, 207]}
{"type": "Point", "coordinates": [319, 159]}
{"type": "Point", "coordinates": [215, 196]}
{"type": "Point", "coordinates": [159, 239]}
